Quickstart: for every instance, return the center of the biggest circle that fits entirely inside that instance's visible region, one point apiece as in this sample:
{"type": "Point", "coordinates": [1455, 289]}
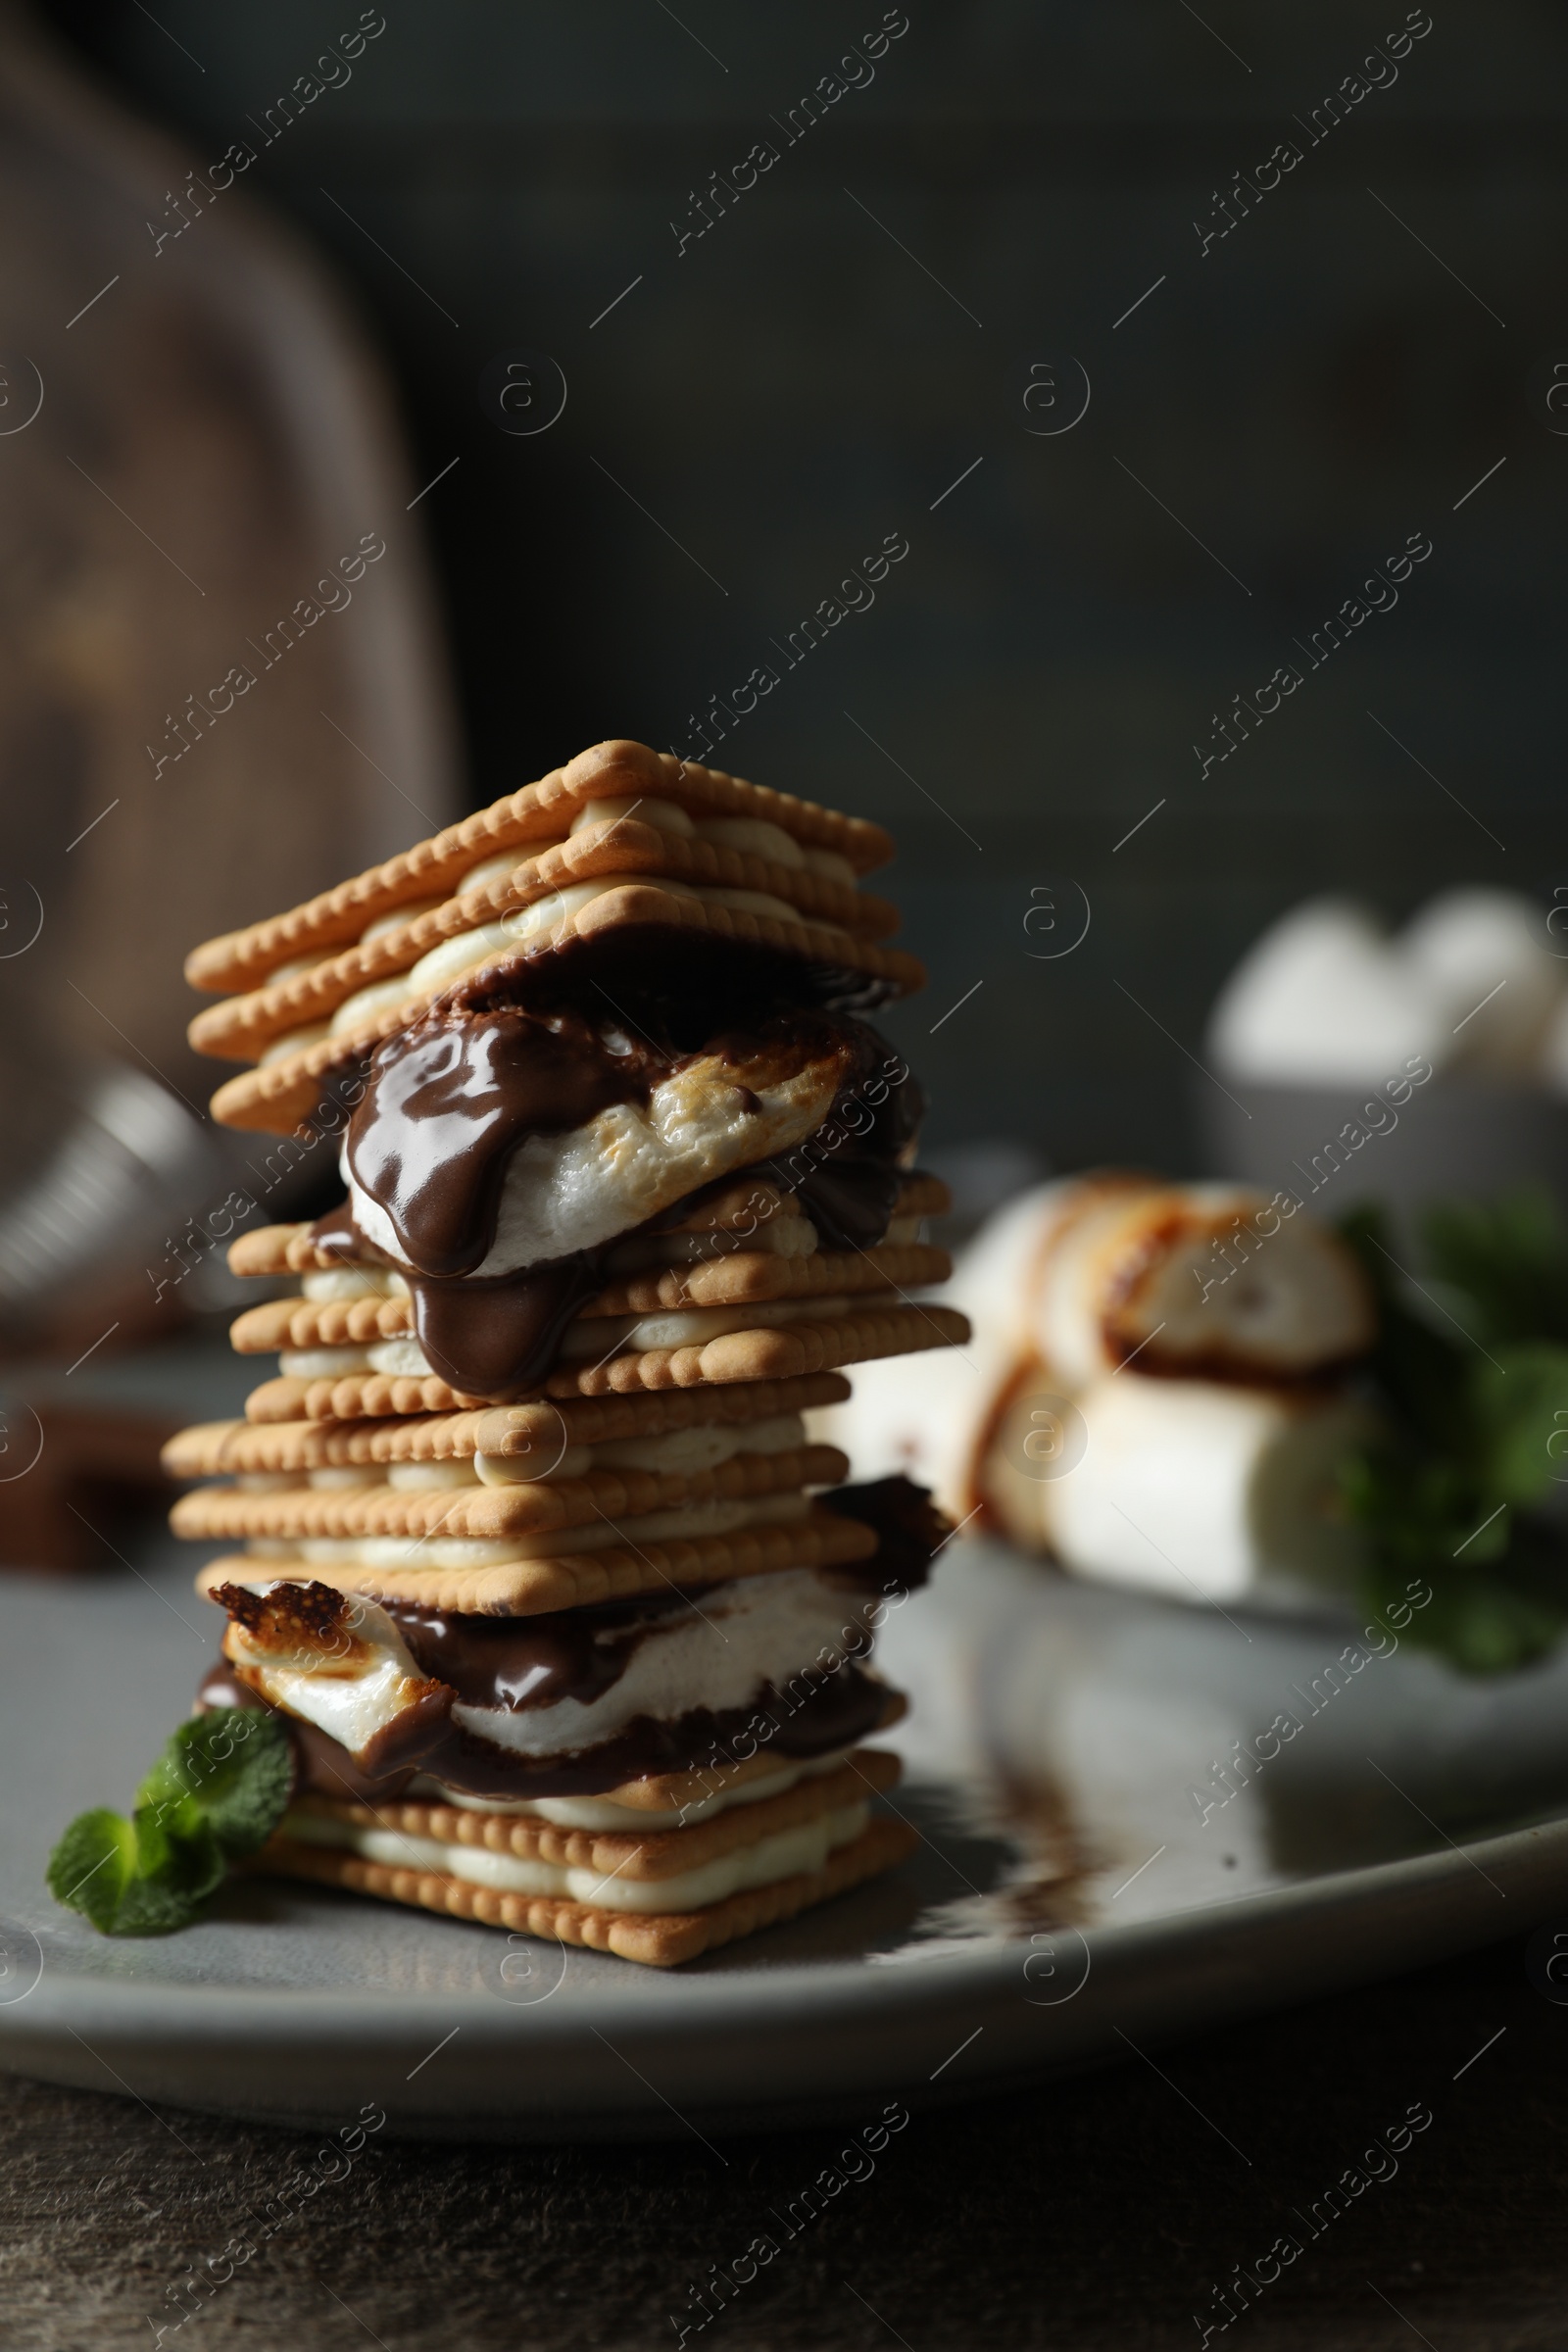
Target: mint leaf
{"type": "Point", "coordinates": [1520, 1402]}
{"type": "Point", "coordinates": [1418, 1364]}
{"type": "Point", "coordinates": [1486, 1625]}
{"type": "Point", "coordinates": [218, 1792]}
{"type": "Point", "coordinates": [232, 1768]}
{"type": "Point", "coordinates": [92, 1865]}
{"type": "Point", "coordinates": [1508, 1260]}
{"type": "Point", "coordinates": [134, 1878]}
{"type": "Point", "coordinates": [1470, 1371]}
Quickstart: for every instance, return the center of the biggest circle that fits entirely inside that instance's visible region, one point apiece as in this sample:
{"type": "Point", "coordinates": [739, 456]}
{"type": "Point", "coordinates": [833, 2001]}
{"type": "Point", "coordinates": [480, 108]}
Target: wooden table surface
{"type": "Point", "coordinates": [1098, 2213]}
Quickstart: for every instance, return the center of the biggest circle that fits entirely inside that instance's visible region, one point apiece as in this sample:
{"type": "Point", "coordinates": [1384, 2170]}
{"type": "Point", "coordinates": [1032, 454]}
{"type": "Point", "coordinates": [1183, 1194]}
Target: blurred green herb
{"type": "Point", "coordinates": [1471, 1365]}
{"type": "Point", "coordinates": [216, 1792]}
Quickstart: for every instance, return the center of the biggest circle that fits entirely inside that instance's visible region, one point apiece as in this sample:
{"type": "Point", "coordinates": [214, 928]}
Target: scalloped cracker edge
{"type": "Point", "coordinates": [237, 1448]}
{"type": "Point", "coordinates": [531, 1508]}
{"type": "Point", "coordinates": [538, 1588]}
{"type": "Point", "coordinates": [617, 768]}
{"type": "Point", "coordinates": [788, 1352]}
{"type": "Point", "coordinates": [631, 1854]}
{"type": "Point", "coordinates": [658, 1940]}
{"type": "Point", "coordinates": [280, 1095]}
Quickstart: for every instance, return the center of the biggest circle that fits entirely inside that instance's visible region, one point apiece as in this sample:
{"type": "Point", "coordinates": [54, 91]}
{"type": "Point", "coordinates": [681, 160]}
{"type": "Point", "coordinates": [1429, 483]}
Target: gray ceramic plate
{"type": "Point", "coordinates": [1072, 1902]}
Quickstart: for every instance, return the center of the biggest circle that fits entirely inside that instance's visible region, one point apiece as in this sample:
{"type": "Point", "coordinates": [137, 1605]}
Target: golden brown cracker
{"type": "Point", "coordinates": [280, 1096]}
{"type": "Point", "coordinates": [641, 1855]}
{"type": "Point", "coordinates": [742, 1278]}
{"type": "Point", "coordinates": [615, 770]}
{"type": "Point", "coordinates": [541, 1507]}
{"type": "Point", "coordinates": [746, 1277]}
{"type": "Point", "coordinates": [516, 1430]}
{"type": "Point", "coordinates": [534, 1588]}
{"type": "Point", "coordinates": [241, 1027]}
{"type": "Point", "coordinates": [658, 1940]}
{"type": "Point", "coordinates": [782, 1353]}
{"type": "Point", "coordinates": [788, 1352]}
{"type": "Point", "coordinates": [355, 1395]}
{"type": "Point", "coordinates": [923, 1196]}
{"type": "Point", "coordinates": [215, 1449]}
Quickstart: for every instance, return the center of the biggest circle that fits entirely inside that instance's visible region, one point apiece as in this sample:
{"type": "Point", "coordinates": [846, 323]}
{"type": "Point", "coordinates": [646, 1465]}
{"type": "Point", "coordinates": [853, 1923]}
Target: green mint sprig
{"type": "Point", "coordinates": [216, 1792]}
{"type": "Point", "coordinates": [1471, 1374]}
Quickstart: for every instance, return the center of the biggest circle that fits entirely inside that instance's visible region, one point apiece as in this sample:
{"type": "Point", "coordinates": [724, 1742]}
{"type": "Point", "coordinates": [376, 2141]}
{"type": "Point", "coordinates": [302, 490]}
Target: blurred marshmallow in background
{"type": "Point", "coordinates": [1327, 998]}
{"type": "Point", "coordinates": [1478, 958]}
{"type": "Point", "coordinates": [1431, 1062]}
{"type": "Point", "coordinates": [1157, 1393]}
{"type": "Point", "coordinates": [1323, 998]}
{"type": "Point", "coordinates": [1160, 1390]}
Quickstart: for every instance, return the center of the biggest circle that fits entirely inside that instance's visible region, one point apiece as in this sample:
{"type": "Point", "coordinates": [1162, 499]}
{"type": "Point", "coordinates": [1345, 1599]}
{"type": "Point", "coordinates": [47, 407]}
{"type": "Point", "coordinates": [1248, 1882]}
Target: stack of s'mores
{"type": "Point", "coordinates": [531, 1544]}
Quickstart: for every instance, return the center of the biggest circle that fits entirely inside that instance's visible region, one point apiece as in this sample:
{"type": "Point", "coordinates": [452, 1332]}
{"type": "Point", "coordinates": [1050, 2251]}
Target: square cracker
{"type": "Point", "coordinates": [615, 770]}
{"type": "Point", "coordinates": [743, 1278]}
{"type": "Point", "coordinates": [531, 1508]}
{"type": "Point", "coordinates": [533, 1587]}
{"type": "Point", "coordinates": [513, 1431]}
{"type": "Point", "coordinates": [641, 1855]}
{"type": "Point", "coordinates": [242, 1026]}
{"type": "Point", "coordinates": [658, 1939]}
{"type": "Point", "coordinates": [787, 1352]}
{"type": "Point", "coordinates": [830, 966]}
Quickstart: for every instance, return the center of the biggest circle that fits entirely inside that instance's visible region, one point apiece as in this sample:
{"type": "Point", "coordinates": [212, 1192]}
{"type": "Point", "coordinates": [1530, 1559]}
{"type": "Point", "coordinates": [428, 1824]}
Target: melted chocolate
{"type": "Point", "coordinates": [449, 1102]}
{"type": "Point", "coordinates": [826, 1711]}
{"type": "Point", "coordinates": [490, 1337]}
{"type": "Point", "coordinates": [340, 1236]}
{"type": "Point", "coordinates": [523, 1662]}
{"type": "Point", "coordinates": [670, 978]}
{"type": "Point", "coordinates": [834, 1711]}
{"type": "Point", "coordinates": [499, 1336]}
{"type": "Point", "coordinates": [910, 1531]}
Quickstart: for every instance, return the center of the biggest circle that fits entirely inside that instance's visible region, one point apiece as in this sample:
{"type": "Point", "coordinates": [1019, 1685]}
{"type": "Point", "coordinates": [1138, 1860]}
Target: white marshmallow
{"type": "Point", "coordinates": [1322, 999]}
{"type": "Point", "coordinates": [1480, 953]}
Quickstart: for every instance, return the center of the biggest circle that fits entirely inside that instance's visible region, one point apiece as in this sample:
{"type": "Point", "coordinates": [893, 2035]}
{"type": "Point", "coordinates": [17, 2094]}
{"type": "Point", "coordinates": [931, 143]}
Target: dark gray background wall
{"type": "Point", "coordinates": [856, 333]}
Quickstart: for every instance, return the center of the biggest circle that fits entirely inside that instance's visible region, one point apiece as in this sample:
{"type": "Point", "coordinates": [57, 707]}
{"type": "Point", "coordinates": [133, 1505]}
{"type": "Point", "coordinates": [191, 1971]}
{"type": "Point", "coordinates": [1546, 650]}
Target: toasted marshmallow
{"type": "Point", "coordinates": [1206, 1277]}
{"type": "Point", "coordinates": [336, 1662]}
{"type": "Point", "coordinates": [717, 1653]}
{"type": "Point", "coordinates": [573, 1191]}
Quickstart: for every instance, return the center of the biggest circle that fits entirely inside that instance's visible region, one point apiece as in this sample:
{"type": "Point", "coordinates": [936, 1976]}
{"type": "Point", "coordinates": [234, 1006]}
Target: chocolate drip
{"type": "Point", "coordinates": [524, 1662]}
{"type": "Point", "coordinates": [449, 1103]}
{"type": "Point", "coordinates": [836, 1710]}
{"type": "Point", "coordinates": [910, 1531]}
{"type": "Point", "coordinates": [832, 1711]}
{"type": "Point", "coordinates": [492, 1337]}
{"type": "Point", "coordinates": [499, 1336]}
{"type": "Point", "coordinates": [340, 1236]}
{"type": "Point", "coordinates": [446, 1107]}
